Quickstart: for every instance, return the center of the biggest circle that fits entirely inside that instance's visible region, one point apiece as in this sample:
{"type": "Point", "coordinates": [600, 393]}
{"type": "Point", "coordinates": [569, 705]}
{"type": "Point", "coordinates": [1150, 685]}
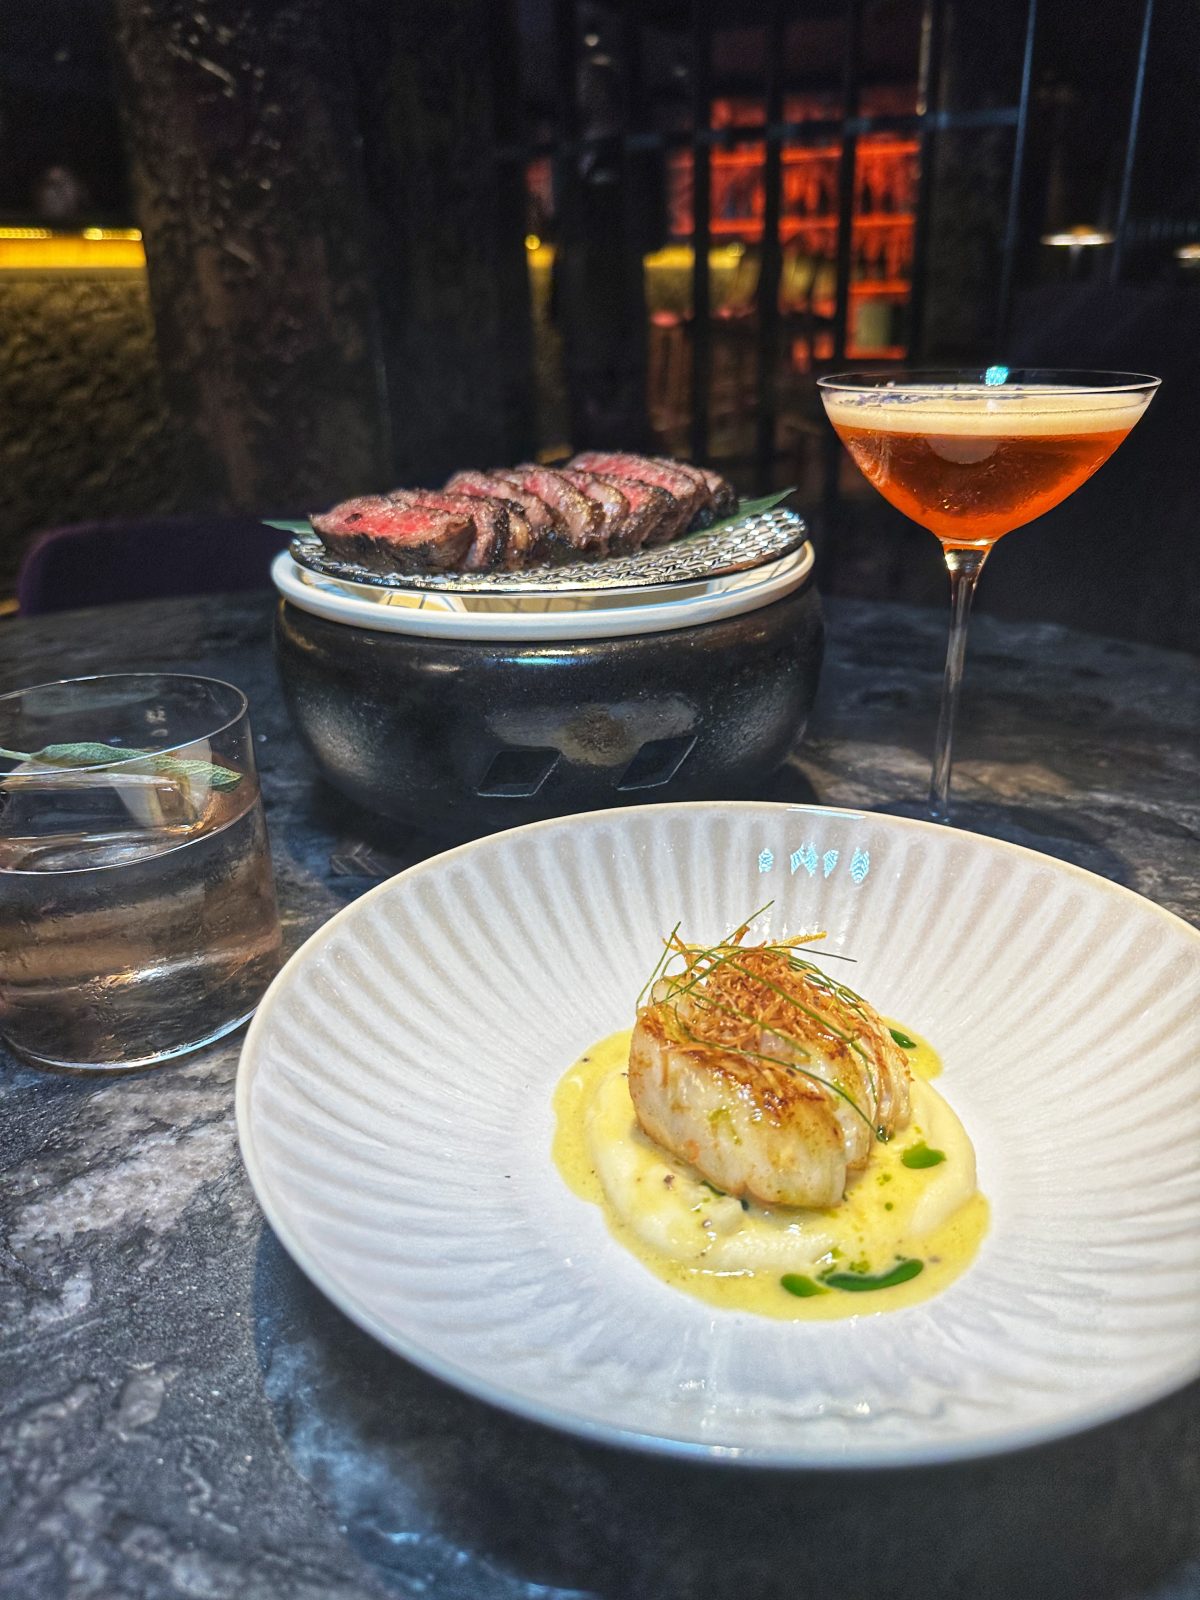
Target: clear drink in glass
{"type": "Point", "coordinates": [137, 904]}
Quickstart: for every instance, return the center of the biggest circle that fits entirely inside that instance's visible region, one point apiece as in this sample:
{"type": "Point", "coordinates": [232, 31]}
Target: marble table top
{"type": "Point", "coordinates": [181, 1414]}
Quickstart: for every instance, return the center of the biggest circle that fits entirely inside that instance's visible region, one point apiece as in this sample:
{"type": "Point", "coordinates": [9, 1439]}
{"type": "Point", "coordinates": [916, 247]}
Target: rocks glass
{"type": "Point", "coordinates": [137, 906]}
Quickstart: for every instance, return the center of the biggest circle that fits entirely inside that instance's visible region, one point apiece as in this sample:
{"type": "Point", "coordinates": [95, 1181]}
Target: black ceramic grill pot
{"type": "Point", "coordinates": [462, 736]}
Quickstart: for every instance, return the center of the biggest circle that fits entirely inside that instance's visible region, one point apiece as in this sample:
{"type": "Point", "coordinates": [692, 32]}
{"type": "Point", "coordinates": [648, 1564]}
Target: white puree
{"type": "Point", "coordinates": [675, 1214]}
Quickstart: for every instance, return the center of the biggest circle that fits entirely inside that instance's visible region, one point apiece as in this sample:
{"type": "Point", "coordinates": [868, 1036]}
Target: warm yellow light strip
{"type": "Point", "coordinates": [673, 258]}
{"type": "Point", "coordinates": [43, 250]}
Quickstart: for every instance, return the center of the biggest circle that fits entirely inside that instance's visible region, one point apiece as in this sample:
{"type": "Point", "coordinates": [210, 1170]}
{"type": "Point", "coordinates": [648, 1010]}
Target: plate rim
{"type": "Point", "coordinates": [609, 622]}
{"type": "Point", "coordinates": [989, 1442]}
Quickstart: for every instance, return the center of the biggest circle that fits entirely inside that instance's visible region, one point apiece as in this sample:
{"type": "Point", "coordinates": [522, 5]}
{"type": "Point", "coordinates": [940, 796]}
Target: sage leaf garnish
{"type": "Point", "coordinates": [103, 755]}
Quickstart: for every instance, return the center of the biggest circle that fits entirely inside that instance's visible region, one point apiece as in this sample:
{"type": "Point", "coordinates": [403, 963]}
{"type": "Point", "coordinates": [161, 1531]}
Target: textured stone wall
{"type": "Point", "coordinates": [335, 259]}
{"type": "Point", "coordinates": [84, 429]}
{"type": "Point", "coordinates": [246, 184]}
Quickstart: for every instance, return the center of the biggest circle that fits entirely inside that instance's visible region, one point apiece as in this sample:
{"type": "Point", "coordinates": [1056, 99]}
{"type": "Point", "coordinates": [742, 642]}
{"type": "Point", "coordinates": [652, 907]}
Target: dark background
{"type": "Point", "coordinates": [337, 199]}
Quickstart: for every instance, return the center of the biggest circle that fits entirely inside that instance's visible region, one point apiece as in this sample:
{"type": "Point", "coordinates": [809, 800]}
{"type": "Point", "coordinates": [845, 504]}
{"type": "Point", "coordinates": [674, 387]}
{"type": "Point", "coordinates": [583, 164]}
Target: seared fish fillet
{"type": "Point", "coordinates": [765, 1074]}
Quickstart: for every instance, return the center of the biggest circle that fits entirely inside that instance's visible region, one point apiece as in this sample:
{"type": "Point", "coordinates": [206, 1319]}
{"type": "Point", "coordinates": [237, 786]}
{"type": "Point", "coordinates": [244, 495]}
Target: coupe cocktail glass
{"type": "Point", "coordinates": [971, 455]}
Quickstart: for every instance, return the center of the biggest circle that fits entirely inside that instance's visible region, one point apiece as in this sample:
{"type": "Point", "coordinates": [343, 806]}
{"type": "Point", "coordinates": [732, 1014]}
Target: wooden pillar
{"type": "Point", "coordinates": [439, 108]}
{"type": "Point", "coordinates": [982, 58]}
{"type": "Point", "coordinates": [599, 289]}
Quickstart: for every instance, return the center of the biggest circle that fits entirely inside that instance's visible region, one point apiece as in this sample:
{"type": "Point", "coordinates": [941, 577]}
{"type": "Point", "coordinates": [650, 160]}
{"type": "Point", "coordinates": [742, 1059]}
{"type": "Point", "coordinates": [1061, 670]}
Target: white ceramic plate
{"type": "Point", "coordinates": [393, 1104]}
{"type": "Point", "coordinates": [591, 615]}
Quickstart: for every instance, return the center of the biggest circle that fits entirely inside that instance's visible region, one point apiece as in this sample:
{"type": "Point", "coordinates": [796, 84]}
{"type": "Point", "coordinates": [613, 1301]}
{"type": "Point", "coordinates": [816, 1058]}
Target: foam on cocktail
{"type": "Point", "coordinates": [1010, 411]}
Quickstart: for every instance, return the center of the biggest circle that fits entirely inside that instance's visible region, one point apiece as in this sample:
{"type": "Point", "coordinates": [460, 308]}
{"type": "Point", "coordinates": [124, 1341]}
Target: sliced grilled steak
{"type": "Point", "coordinates": [489, 516]}
{"type": "Point", "coordinates": [582, 519]}
{"type": "Point", "coordinates": [704, 513]}
{"type": "Point", "coordinates": [614, 506]}
{"type": "Point", "coordinates": [685, 492]}
{"type": "Point", "coordinates": [724, 495]}
{"type": "Point", "coordinates": [520, 534]}
{"type": "Point", "coordinates": [375, 532]}
{"type": "Point", "coordinates": [546, 525]}
{"type": "Point", "coordinates": [649, 506]}
{"type": "Point", "coordinates": [514, 517]}
{"type": "Point", "coordinates": [523, 511]}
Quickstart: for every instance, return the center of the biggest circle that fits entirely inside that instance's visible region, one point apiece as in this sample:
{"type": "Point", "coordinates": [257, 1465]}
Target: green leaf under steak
{"type": "Point", "coordinates": [746, 508]}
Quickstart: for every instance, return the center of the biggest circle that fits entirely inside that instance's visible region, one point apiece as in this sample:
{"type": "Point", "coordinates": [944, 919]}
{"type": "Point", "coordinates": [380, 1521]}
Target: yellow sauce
{"type": "Point", "coordinates": [735, 1255]}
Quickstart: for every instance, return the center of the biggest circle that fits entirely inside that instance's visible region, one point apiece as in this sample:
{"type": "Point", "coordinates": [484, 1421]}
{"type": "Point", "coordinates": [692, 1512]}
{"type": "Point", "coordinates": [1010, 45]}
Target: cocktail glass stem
{"type": "Point", "coordinates": [964, 567]}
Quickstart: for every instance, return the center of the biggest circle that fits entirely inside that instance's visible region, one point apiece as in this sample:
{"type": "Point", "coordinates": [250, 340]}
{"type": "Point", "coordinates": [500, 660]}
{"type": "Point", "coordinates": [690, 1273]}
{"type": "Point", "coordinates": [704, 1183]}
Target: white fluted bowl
{"type": "Point", "coordinates": [394, 1109]}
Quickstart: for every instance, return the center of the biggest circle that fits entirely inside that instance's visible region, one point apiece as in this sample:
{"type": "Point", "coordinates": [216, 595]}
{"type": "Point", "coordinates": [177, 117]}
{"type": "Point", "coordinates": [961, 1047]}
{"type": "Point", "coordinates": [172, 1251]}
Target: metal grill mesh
{"type": "Point", "coordinates": [734, 546]}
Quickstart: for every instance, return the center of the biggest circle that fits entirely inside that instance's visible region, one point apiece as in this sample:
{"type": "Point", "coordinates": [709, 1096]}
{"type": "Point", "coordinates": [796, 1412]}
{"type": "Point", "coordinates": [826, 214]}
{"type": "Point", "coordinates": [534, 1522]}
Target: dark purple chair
{"type": "Point", "coordinates": [102, 563]}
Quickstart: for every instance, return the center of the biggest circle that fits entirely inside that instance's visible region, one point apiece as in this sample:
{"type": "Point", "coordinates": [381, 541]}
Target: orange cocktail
{"type": "Point", "coordinates": [971, 456]}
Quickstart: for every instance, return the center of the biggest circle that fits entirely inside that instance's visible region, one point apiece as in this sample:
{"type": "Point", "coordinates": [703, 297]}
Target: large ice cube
{"type": "Point", "coordinates": [58, 819]}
